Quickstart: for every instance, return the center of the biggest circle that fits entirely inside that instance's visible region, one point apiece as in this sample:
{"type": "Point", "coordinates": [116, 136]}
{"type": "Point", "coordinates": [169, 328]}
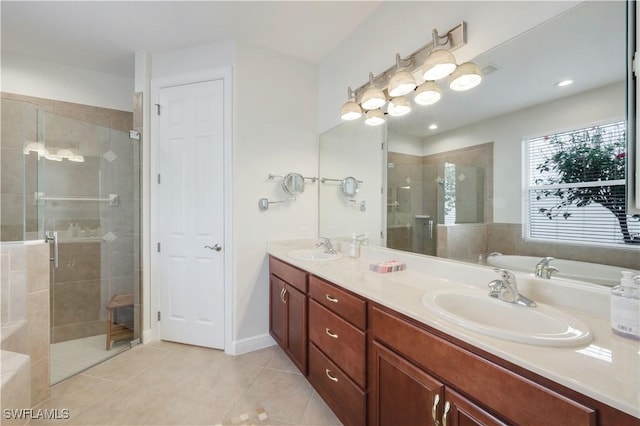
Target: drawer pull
{"type": "Point", "coordinates": [330, 333]}
{"type": "Point", "coordinates": [447, 407]}
{"type": "Point", "coordinates": [328, 373]}
{"type": "Point", "coordinates": [331, 299]}
{"type": "Point", "coordinates": [434, 409]}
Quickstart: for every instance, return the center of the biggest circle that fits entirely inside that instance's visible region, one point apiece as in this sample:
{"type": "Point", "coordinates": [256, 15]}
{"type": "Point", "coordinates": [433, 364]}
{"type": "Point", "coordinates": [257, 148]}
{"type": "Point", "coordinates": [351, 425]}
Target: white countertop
{"type": "Point", "coordinates": [607, 370]}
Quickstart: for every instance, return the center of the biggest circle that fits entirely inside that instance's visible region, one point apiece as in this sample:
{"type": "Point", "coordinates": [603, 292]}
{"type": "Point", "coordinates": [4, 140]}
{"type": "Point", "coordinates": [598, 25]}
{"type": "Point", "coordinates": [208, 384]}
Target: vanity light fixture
{"type": "Point", "coordinates": [428, 93]}
{"type": "Point", "coordinates": [374, 117]}
{"type": "Point", "coordinates": [76, 158]}
{"type": "Point", "coordinates": [399, 106]}
{"type": "Point", "coordinates": [350, 110]}
{"type": "Point", "coordinates": [373, 97]}
{"type": "Point", "coordinates": [465, 77]}
{"type": "Point", "coordinates": [433, 61]}
{"type": "Point", "coordinates": [402, 81]}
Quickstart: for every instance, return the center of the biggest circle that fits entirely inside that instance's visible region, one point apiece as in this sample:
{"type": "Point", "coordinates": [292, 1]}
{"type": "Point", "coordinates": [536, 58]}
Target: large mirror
{"type": "Point", "coordinates": [461, 191]}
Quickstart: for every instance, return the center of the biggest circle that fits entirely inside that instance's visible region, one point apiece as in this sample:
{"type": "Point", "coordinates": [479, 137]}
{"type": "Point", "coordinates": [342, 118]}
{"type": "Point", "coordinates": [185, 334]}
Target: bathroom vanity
{"type": "Point", "coordinates": [377, 356]}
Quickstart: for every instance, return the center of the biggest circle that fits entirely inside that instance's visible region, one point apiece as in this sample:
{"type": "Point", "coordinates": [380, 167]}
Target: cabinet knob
{"type": "Point", "coordinates": [330, 376]}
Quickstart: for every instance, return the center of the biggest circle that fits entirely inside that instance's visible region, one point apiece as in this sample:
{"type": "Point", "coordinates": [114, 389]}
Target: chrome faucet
{"type": "Point", "coordinates": [328, 247]}
{"type": "Point", "coordinates": [543, 269]}
{"type": "Point", "coordinates": [506, 289]}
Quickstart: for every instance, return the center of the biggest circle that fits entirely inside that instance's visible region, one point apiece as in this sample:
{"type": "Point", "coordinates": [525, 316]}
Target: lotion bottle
{"type": "Point", "coordinates": [625, 306]}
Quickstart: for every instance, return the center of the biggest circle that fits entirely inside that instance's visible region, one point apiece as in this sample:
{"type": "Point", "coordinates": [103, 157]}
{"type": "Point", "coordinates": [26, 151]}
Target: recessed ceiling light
{"type": "Point", "coordinates": [564, 83]}
{"type": "Point", "coordinates": [433, 126]}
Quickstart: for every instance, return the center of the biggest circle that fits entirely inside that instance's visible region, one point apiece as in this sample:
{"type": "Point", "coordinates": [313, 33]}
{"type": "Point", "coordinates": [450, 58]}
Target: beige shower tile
{"type": "Point", "coordinates": [12, 124]}
{"type": "Point", "coordinates": [77, 331]}
{"type": "Point", "coordinates": [39, 325]}
{"type": "Point", "coordinates": [40, 389]}
{"type": "Point", "coordinates": [12, 162]}
{"type": "Point", "coordinates": [78, 262]}
{"type": "Point", "coordinates": [38, 267]}
{"type": "Point", "coordinates": [76, 302]}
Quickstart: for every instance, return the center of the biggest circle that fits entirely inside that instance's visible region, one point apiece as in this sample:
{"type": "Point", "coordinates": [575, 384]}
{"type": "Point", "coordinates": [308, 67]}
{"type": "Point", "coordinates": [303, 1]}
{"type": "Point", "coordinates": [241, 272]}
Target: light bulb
{"type": "Point", "coordinates": [439, 64]}
{"type": "Point", "coordinates": [465, 77]}
{"type": "Point", "coordinates": [374, 117]}
{"type": "Point", "coordinates": [399, 106]}
{"type": "Point", "coordinates": [428, 93]}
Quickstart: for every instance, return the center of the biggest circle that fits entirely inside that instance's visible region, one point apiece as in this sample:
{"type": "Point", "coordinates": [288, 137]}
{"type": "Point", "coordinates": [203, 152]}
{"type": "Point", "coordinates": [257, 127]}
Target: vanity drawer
{"type": "Point", "coordinates": [288, 273]}
{"type": "Point", "coordinates": [341, 394]}
{"type": "Point", "coordinates": [339, 340]}
{"type": "Point", "coordinates": [350, 307]}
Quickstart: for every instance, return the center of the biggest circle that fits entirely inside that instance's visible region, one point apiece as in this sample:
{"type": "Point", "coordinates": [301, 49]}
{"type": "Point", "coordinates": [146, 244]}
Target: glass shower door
{"type": "Point", "coordinates": [88, 195]}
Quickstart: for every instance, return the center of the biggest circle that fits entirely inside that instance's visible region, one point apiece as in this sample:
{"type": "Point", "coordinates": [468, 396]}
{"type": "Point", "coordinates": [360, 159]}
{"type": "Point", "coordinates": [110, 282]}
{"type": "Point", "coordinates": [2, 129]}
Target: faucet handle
{"type": "Point", "coordinates": [505, 274]}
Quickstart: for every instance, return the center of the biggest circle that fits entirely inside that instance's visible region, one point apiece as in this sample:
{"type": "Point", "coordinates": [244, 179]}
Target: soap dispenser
{"type": "Point", "coordinates": [625, 306]}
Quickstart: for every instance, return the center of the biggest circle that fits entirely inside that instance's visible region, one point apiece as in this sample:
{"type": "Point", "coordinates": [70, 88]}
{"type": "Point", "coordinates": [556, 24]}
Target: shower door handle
{"type": "Point", "coordinates": [216, 247]}
{"type": "Point", "coordinates": [49, 237]}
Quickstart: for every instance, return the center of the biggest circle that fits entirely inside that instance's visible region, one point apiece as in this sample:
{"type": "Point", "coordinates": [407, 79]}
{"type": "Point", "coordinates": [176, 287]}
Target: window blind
{"type": "Point", "coordinates": [564, 170]}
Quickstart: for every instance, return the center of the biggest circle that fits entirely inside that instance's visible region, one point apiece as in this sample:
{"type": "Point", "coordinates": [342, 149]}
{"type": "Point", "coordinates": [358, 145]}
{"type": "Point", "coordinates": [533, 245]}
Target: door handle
{"type": "Point", "coordinates": [216, 247]}
{"type": "Point", "coordinates": [49, 237]}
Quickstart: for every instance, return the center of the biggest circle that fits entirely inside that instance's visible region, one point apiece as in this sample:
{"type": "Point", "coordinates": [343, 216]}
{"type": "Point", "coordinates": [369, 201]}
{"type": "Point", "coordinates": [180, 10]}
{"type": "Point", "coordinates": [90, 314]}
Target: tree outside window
{"type": "Point", "coordinates": [573, 171]}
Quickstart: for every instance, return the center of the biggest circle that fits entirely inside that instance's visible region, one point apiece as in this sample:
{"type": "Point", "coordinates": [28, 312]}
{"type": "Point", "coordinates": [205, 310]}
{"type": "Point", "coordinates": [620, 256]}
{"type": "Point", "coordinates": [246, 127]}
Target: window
{"type": "Point", "coordinates": [575, 187]}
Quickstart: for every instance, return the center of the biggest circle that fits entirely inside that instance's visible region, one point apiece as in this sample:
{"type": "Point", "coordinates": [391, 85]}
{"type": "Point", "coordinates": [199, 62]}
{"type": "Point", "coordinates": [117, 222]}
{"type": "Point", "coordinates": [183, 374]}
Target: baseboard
{"type": "Point", "coordinates": [147, 336]}
{"type": "Point", "coordinates": [250, 344]}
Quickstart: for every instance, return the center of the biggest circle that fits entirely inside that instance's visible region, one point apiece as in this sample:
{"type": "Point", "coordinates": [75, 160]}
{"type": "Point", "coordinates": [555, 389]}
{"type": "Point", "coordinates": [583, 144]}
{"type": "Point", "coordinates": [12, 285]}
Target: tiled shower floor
{"type": "Point", "coordinates": [73, 356]}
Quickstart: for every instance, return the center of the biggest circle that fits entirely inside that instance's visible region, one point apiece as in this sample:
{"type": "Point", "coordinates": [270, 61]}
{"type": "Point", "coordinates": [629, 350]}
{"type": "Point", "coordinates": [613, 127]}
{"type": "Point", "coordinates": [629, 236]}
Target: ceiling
{"type": "Point", "coordinates": [104, 35]}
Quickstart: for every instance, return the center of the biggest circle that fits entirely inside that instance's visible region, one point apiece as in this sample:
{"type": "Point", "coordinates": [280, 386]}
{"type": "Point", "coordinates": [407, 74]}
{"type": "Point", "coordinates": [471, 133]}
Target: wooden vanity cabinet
{"type": "Point", "coordinates": [337, 350]}
{"type": "Point", "coordinates": [476, 390]}
{"type": "Point", "coordinates": [288, 310]}
{"type": "Point", "coordinates": [403, 394]}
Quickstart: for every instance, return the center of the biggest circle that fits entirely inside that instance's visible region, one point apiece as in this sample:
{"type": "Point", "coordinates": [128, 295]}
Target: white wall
{"type": "Point", "coordinates": [403, 27]}
{"type": "Point", "coordinates": [405, 144]}
{"type": "Point", "coordinates": [33, 77]}
{"type": "Point", "coordinates": [275, 131]}
{"type": "Point", "coordinates": [508, 131]}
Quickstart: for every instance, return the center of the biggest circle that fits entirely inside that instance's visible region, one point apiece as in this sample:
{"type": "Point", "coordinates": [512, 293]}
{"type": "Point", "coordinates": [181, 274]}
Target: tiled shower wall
{"type": "Point", "coordinates": [99, 257]}
{"type": "Point", "coordinates": [24, 291]}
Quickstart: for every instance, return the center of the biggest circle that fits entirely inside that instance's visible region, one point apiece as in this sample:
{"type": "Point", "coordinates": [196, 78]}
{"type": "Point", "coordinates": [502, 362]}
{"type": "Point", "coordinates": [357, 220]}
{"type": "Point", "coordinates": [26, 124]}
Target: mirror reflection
{"type": "Point", "coordinates": [463, 191]}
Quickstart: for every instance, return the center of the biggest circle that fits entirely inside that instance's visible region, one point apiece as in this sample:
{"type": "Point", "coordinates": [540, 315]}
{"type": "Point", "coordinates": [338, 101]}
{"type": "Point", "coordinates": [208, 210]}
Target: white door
{"type": "Point", "coordinates": [191, 215]}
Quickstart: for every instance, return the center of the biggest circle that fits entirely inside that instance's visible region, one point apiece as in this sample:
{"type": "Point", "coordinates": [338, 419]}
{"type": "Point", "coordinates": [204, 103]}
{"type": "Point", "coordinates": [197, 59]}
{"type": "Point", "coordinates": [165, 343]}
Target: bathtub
{"type": "Point", "coordinates": [568, 269]}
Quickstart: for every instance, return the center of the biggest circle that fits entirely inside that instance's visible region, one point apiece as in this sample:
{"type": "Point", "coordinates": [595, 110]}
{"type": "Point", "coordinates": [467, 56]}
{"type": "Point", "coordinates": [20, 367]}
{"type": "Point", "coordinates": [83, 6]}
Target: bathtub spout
{"type": "Point", "coordinates": [544, 270]}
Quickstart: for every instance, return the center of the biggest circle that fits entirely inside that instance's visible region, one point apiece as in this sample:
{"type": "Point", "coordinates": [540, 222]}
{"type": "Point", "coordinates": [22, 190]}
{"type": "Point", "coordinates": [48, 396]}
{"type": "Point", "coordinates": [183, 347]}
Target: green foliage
{"type": "Point", "coordinates": [585, 156]}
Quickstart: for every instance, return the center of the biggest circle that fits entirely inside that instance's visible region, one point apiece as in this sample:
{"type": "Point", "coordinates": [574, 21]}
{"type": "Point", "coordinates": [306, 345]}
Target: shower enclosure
{"type": "Point", "coordinates": [82, 193]}
{"type": "Point", "coordinates": [422, 196]}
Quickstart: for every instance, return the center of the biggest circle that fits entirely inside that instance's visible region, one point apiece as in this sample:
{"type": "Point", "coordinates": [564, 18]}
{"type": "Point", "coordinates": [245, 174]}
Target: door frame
{"type": "Point", "coordinates": [224, 74]}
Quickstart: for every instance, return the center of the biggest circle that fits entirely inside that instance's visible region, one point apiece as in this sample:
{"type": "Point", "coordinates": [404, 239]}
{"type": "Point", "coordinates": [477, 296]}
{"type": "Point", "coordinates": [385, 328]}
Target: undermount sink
{"type": "Point", "coordinates": [313, 255]}
{"type": "Point", "coordinates": [476, 311]}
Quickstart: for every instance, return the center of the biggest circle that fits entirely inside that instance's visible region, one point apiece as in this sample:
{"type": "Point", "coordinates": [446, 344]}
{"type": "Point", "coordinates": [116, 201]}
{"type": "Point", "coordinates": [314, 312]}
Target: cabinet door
{"type": "Point", "coordinates": [402, 394]}
{"type": "Point", "coordinates": [277, 310]}
{"type": "Point", "coordinates": [459, 411]}
{"type": "Point", "coordinates": [296, 326]}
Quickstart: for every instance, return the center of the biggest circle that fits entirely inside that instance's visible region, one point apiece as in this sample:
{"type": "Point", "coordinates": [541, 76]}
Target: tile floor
{"type": "Point", "coordinates": [166, 383]}
{"type": "Point", "coordinates": [71, 357]}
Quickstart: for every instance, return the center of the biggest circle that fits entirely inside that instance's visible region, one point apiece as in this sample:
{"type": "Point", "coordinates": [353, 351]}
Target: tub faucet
{"type": "Point", "coordinates": [506, 289]}
{"type": "Point", "coordinates": [543, 269]}
{"type": "Point", "coordinates": [328, 247]}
